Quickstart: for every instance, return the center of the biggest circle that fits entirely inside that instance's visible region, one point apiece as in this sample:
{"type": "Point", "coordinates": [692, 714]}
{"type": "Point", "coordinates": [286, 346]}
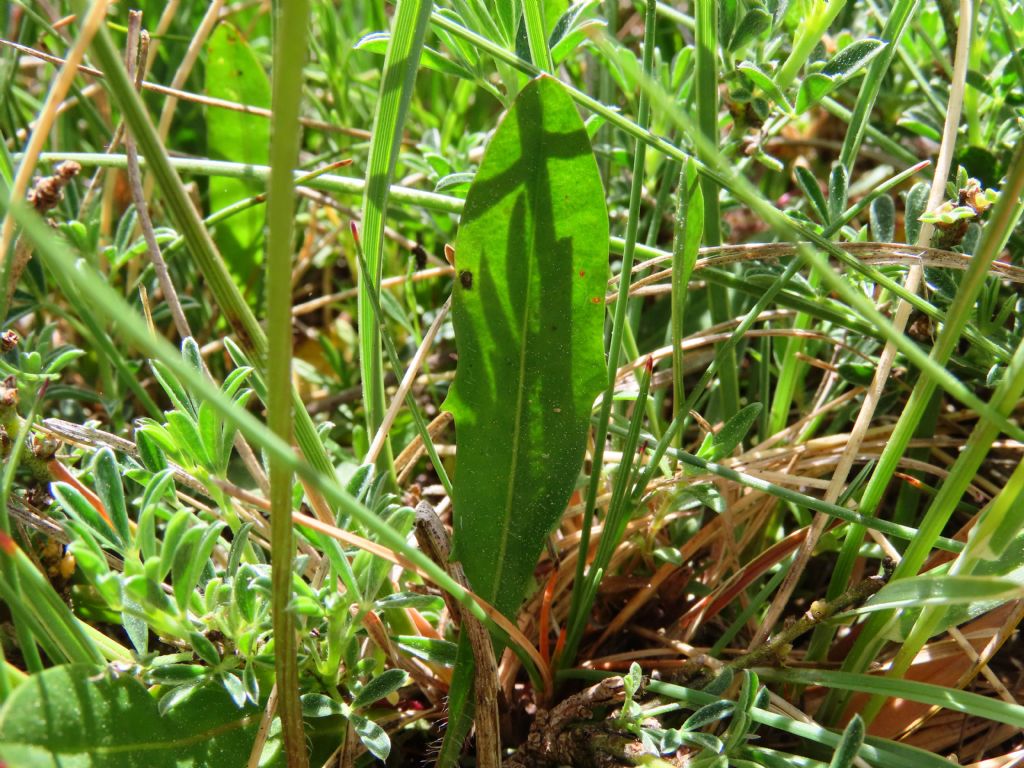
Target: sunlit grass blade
{"type": "Point", "coordinates": [289, 58]}
{"type": "Point", "coordinates": [578, 611]}
{"type": "Point", "coordinates": [707, 43]}
{"type": "Point", "coordinates": [689, 225]}
{"type": "Point", "coordinates": [911, 690]}
{"type": "Point", "coordinates": [397, 79]}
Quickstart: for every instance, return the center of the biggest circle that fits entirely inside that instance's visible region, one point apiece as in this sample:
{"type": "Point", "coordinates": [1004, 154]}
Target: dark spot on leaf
{"type": "Point", "coordinates": [582, 273]}
{"type": "Point", "coordinates": [466, 278]}
{"type": "Point", "coordinates": [420, 254]}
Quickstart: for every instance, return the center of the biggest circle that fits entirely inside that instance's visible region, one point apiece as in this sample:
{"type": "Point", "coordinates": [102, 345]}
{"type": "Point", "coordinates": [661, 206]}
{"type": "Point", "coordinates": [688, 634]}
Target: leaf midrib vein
{"type": "Point", "coordinates": [517, 428]}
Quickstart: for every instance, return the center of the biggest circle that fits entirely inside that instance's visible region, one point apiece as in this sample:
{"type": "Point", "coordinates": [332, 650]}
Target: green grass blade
{"type": "Point", "coordinates": [706, 15]}
{"type": "Point", "coordinates": [578, 609]}
{"type": "Point", "coordinates": [533, 15]}
{"type": "Point", "coordinates": [397, 79]}
{"type": "Point", "coordinates": [51, 621]}
{"type": "Point", "coordinates": [899, 15]}
{"type": "Point", "coordinates": [1004, 219]}
{"type": "Point", "coordinates": [973, 704]}
{"type": "Point", "coordinates": [290, 31]}
{"type": "Point", "coordinates": [688, 228]}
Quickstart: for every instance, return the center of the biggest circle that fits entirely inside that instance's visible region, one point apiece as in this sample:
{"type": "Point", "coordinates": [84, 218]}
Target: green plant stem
{"type": "Point", "coordinates": [676, 17]}
{"type": "Point", "coordinates": [533, 14]}
{"type": "Point", "coordinates": [619, 507]}
{"type": "Point", "coordinates": [397, 80]}
{"type": "Point", "coordinates": [899, 15]}
{"type": "Point", "coordinates": [22, 622]}
{"type": "Point", "coordinates": [392, 353]}
{"type": "Point", "coordinates": [707, 122]}
{"type": "Point", "coordinates": [884, 142]}
{"type": "Point", "coordinates": [689, 224]}
{"type": "Point", "coordinates": [808, 36]}
{"type": "Point", "coordinates": [326, 182]}
{"type": "Point", "coordinates": [577, 608]}
{"type": "Point", "coordinates": [291, 23]}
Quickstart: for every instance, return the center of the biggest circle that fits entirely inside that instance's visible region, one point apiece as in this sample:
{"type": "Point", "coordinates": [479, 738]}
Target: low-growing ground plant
{"type": "Point", "coordinates": [529, 383]}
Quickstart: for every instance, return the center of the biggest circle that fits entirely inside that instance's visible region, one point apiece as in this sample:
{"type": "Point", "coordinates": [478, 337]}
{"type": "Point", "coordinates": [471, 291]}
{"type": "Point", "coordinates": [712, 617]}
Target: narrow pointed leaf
{"type": "Point", "coordinates": [762, 80]}
{"type": "Point", "coordinates": [853, 57]}
{"type": "Point", "coordinates": [528, 310]}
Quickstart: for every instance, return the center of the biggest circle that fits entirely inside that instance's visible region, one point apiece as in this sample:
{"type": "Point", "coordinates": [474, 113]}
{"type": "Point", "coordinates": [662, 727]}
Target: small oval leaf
{"type": "Point", "coordinates": [854, 56]}
{"type": "Point", "coordinates": [883, 219]}
{"type": "Point", "coordinates": [387, 682]}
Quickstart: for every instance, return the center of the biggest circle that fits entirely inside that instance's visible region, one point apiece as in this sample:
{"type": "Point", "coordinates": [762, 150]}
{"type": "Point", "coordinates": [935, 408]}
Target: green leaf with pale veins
{"type": "Point", "coordinates": [528, 310]}
{"type": "Point", "coordinates": [80, 716]}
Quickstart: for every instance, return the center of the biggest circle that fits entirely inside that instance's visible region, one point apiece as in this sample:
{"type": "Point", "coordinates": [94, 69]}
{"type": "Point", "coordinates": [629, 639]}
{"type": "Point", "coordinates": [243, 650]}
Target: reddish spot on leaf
{"type": "Point", "coordinates": [7, 544]}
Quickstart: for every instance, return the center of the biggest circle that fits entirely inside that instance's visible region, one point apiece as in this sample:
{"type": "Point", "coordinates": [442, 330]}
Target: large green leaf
{"type": "Point", "coordinates": [87, 717]}
{"type": "Point", "coordinates": [528, 310]}
{"type": "Point", "coordinates": [234, 73]}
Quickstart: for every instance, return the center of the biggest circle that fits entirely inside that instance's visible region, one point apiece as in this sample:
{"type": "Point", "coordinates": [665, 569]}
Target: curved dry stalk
{"type": "Point", "coordinates": [703, 339]}
{"type": "Point", "coordinates": [195, 46]}
{"type": "Point", "coordinates": [414, 451]}
{"type": "Point", "coordinates": [388, 282]}
{"type": "Point", "coordinates": [136, 50]}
